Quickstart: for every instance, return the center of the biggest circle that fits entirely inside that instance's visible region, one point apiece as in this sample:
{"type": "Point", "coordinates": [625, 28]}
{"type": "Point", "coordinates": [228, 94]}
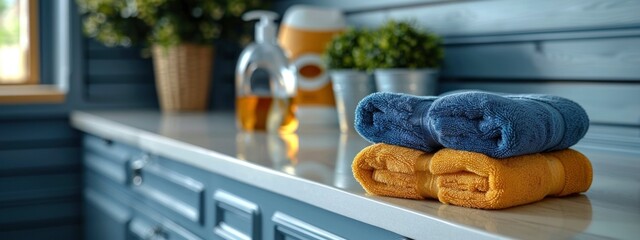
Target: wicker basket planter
{"type": "Point", "coordinates": [183, 76]}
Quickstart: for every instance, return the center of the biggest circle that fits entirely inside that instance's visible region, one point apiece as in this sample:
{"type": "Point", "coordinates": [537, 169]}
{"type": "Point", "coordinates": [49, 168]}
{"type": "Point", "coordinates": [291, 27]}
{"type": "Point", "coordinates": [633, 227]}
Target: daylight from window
{"type": "Point", "coordinates": [14, 41]}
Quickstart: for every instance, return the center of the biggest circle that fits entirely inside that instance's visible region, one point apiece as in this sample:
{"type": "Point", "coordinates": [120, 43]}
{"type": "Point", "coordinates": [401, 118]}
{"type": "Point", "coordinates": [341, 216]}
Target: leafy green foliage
{"type": "Point", "coordinates": [340, 51]}
{"type": "Point", "coordinates": [400, 45]}
{"type": "Point", "coordinates": [9, 33]}
{"type": "Point", "coordinates": [110, 22]}
{"type": "Point", "coordinates": [9, 26]}
{"type": "Point", "coordinates": [165, 22]}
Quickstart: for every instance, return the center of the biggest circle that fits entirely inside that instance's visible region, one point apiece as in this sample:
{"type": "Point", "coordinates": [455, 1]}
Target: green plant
{"type": "Point", "coordinates": [400, 45]}
{"type": "Point", "coordinates": [164, 22]}
{"type": "Point", "coordinates": [340, 51]}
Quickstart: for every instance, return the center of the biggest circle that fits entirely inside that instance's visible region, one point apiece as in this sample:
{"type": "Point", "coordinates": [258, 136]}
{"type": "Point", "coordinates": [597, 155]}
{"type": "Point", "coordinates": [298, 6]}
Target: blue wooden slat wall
{"type": "Point", "coordinates": [61, 232]}
{"type": "Point", "coordinates": [584, 59]}
{"type": "Point", "coordinates": [39, 178]}
{"type": "Point", "coordinates": [472, 18]}
{"type": "Point", "coordinates": [122, 75]}
{"type": "Point", "coordinates": [117, 75]}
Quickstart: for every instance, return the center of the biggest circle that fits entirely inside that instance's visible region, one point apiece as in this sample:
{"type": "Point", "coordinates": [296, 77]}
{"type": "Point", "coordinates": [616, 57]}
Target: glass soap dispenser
{"type": "Point", "coordinates": [265, 84]}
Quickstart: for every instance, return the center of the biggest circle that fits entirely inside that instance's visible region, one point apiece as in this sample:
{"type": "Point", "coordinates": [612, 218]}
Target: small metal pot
{"type": "Point", "coordinates": [420, 82]}
{"type": "Point", "coordinates": [349, 87]}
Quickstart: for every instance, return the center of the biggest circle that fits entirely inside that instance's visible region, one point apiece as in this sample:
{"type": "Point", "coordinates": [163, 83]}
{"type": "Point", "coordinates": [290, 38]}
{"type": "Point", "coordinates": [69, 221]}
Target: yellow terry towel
{"type": "Point", "coordinates": [471, 179]}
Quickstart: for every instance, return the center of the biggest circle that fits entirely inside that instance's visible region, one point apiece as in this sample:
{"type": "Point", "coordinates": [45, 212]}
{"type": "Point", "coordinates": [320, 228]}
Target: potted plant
{"type": "Point", "coordinates": [179, 35]}
{"type": "Point", "coordinates": [404, 58]}
{"type": "Point", "coordinates": [349, 79]}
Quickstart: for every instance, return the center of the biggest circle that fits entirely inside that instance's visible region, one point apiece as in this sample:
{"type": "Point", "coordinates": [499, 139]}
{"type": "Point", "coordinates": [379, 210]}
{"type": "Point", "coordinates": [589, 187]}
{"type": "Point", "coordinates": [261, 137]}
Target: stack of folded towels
{"type": "Point", "coordinates": [472, 149]}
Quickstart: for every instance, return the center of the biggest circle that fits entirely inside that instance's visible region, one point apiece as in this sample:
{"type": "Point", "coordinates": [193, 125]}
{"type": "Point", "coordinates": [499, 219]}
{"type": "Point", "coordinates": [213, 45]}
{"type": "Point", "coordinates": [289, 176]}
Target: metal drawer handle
{"type": "Point", "coordinates": [156, 233]}
{"type": "Point", "coordinates": [107, 142]}
{"type": "Point", "coordinates": [136, 169]}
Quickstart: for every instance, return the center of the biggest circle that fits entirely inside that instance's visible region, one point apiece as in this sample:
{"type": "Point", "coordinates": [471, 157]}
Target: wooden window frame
{"type": "Point", "coordinates": [33, 76]}
{"type": "Point", "coordinates": [32, 90]}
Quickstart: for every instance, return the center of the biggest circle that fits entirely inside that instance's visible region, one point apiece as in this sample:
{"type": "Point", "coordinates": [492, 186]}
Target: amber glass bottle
{"type": "Point", "coordinates": [265, 83]}
{"type": "Point", "coordinates": [253, 113]}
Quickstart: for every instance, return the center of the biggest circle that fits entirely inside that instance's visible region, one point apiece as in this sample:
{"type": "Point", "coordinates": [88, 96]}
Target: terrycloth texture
{"type": "Point", "coordinates": [505, 126]}
{"type": "Point", "coordinates": [470, 179]}
{"type": "Point", "coordinates": [498, 126]}
{"type": "Point", "coordinates": [395, 118]}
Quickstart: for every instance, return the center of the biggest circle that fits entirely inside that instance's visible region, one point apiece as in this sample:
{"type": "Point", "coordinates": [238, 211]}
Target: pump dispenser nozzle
{"type": "Point", "coordinates": [265, 29]}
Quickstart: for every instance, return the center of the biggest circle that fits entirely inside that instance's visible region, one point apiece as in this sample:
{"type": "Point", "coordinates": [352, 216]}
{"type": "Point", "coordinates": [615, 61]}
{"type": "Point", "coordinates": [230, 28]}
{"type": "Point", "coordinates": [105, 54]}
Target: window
{"type": "Point", "coordinates": [20, 53]}
{"type": "Point", "coordinates": [19, 61]}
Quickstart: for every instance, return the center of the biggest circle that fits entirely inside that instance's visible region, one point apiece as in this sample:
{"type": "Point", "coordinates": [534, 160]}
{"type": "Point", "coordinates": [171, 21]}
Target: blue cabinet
{"type": "Point", "coordinates": [235, 217]}
{"type": "Point", "coordinates": [130, 194]}
{"type": "Point", "coordinates": [147, 224]}
{"type": "Point", "coordinates": [166, 189]}
{"type": "Point", "coordinates": [287, 227]}
{"type": "Point", "coordinates": [105, 218]}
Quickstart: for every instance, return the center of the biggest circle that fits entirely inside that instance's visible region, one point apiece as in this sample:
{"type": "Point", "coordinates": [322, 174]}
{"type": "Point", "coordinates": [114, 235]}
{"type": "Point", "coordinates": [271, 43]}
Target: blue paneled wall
{"type": "Point", "coordinates": [123, 77]}
{"type": "Point", "coordinates": [40, 180]}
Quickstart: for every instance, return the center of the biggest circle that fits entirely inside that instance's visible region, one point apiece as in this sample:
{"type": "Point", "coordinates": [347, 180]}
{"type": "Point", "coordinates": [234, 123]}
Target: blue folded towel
{"type": "Point", "coordinates": [496, 125]}
{"type": "Point", "coordinates": [397, 119]}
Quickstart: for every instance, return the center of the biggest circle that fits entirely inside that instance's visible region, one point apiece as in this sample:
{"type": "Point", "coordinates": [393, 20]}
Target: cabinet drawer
{"type": "Point", "coordinates": [113, 150]}
{"type": "Point", "coordinates": [288, 227]}
{"type": "Point", "coordinates": [235, 217]}
{"type": "Point", "coordinates": [105, 219]}
{"type": "Point", "coordinates": [169, 190]}
{"type": "Point", "coordinates": [144, 226]}
{"type": "Point", "coordinates": [108, 158]}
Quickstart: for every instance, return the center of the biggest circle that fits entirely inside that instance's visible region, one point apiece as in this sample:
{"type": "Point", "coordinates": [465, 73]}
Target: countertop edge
{"type": "Point", "coordinates": [388, 216]}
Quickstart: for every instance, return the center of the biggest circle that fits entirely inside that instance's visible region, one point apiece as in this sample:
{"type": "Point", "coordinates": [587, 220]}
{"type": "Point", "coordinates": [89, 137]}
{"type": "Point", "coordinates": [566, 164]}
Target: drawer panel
{"type": "Point", "coordinates": [155, 227]}
{"type": "Point", "coordinates": [235, 217]}
{"type": "Point", "coordinates": [115, 171]}
{"type": "Point", "coordinates": [289, 228]}
{"type": "Point", "coordinates": [109, 149]}
{"type": "Point", "coordinates": [105, 219]}
{"type": "Point", "coordinates": [108, 158]}
{"type": "Point", "coordinates": [167, 189]}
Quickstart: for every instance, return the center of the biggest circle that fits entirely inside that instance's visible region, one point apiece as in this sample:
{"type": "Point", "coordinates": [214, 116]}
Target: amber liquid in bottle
{"type": "Point", "coordinates": [253, 113]}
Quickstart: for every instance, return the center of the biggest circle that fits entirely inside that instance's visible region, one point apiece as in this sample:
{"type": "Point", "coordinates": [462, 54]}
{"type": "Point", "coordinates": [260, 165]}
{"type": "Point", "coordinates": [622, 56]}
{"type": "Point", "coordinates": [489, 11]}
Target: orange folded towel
{"type": "Point", "coordinates": [471, 179]}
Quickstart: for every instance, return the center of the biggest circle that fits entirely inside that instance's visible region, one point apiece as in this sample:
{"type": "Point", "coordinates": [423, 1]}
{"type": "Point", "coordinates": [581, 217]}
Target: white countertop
{"type": "Point", "coordinates": [319, 173]}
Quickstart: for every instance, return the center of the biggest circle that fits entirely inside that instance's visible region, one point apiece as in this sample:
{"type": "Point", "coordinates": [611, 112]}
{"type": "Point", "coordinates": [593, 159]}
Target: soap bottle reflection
{"type": "Point", "coordinates": [350, 145]}
{"type": "Point", "coordinates": [309, 156]}
{"type": "Point", "coordinates": [283, 151]}
{"type": "Point", "coordinates": [273, 150]}
{"type": "Point", "coordinates": [317, 155]}
{"type": "Point", "coordinates": [300, 155]}
{"type": "Point", "coordinates": [250, 146]}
